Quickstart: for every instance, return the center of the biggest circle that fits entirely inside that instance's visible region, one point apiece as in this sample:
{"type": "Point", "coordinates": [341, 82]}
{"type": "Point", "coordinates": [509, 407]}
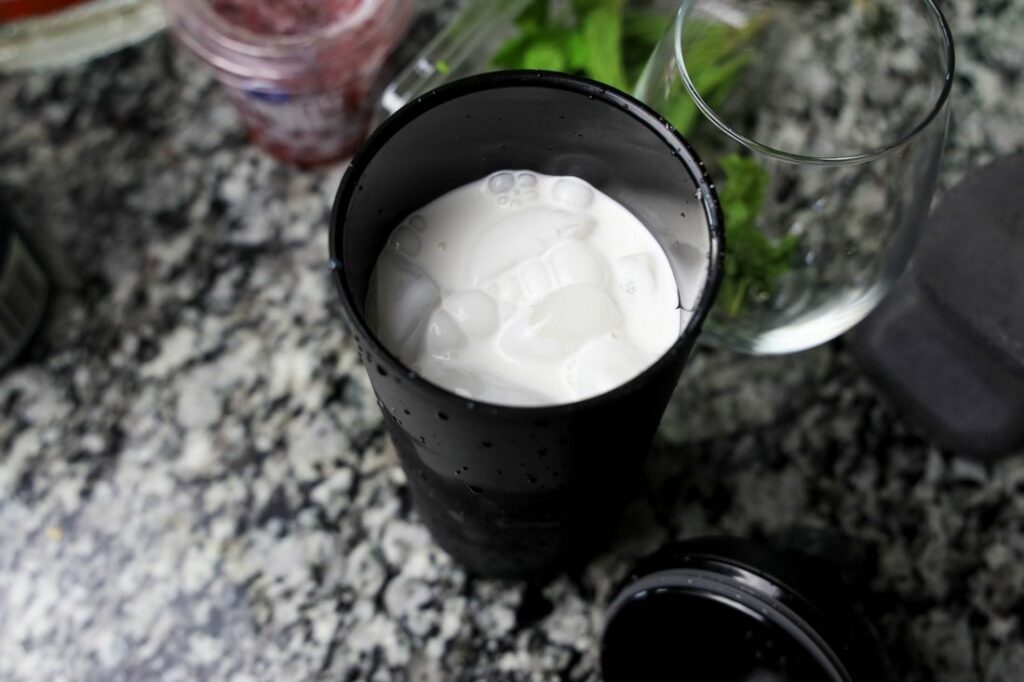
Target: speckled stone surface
{"type": "Point", "coordinates": [195, 484]}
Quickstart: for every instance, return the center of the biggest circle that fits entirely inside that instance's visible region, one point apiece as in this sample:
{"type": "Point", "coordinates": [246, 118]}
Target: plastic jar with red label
{"type": "Point", "coordinates": [303, 73]}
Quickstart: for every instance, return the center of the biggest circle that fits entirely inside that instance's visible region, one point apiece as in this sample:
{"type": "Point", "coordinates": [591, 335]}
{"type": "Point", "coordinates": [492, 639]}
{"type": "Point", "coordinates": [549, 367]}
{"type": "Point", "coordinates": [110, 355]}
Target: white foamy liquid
{"type": "Point", "coordinates": [525, 289]}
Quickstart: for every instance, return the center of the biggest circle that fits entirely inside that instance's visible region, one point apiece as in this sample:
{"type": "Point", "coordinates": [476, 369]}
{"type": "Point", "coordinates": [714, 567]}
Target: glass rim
{"type": "Point", "coordinates": [760, 148]}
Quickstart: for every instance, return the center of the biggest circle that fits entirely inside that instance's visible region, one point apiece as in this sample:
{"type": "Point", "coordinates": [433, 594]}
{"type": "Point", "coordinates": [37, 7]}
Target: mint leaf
{"type": "Point", "coordinates": [584, 7]}
{"type": "Point", "coordinates": [534, 17]}
{"type": "Point", "coordinates": [641, 32]}
{"type": "Point", "coordinates": [602, 39]}
{"type": "Point", "coordinates": [510, 55]}
{"type": "Point", "coordinates": [602, 31]}
{"type": "Point", "coordinates": [577, 52]}
{"type": "Point", "coordinates": [645, 26]}
{"type": "Point", "coordinates": [546, 56]}
{"type": "Point", "coordinates": [754, 262]}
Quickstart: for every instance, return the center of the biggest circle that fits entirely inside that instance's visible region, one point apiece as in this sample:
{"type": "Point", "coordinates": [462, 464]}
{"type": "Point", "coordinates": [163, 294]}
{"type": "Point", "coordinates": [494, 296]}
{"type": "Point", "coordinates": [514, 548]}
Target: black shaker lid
{"type": "Point", "coordinates": [731, 610]}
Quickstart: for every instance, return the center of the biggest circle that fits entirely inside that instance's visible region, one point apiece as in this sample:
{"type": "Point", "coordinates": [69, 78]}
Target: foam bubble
{"type": "Point", "coordinates": [501, 183]}
{"type": "Point", "coordinates": [573, 193]}
{"type": "Point", "coordinates": [527, 180]}
{"type": "Point", "coordinates": [406, 241]}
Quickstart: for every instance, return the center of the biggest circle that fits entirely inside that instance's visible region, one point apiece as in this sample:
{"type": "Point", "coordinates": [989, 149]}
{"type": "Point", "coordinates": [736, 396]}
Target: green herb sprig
{"type": "Point", "coordinates": [753, 263]}
{"type": "Point", "coordinates": [601, 39]}
{"type": "Point", "coordinates": [611, 42]}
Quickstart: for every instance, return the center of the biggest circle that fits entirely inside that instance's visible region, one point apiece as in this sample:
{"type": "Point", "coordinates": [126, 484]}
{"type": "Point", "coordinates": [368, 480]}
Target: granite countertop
{"type": "Point", "coordinates": [194, 479]}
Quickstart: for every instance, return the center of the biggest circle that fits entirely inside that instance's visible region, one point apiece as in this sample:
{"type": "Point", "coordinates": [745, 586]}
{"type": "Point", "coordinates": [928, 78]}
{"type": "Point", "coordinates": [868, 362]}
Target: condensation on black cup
{"type": "Point", "coordinates": [522, 491]}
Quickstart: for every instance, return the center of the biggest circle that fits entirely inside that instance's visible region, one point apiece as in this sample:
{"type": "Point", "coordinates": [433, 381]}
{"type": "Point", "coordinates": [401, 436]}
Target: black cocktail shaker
{"type": "Point", "coordinates": [519, 491]}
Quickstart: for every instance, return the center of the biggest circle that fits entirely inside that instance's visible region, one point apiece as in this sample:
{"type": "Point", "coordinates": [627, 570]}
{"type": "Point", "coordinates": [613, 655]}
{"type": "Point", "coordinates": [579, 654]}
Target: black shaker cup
{"type": "Point", "coordinates": [522, 491]}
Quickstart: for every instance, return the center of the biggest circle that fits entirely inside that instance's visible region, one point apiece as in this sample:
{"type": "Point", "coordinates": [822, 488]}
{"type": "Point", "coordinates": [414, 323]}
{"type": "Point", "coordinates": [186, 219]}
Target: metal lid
{"type": "Point", "coordinates": [731, 610]}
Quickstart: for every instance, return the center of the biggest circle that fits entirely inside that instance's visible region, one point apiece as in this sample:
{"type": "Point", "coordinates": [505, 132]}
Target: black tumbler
{"type": "Point", "coordinates": [523, 491]}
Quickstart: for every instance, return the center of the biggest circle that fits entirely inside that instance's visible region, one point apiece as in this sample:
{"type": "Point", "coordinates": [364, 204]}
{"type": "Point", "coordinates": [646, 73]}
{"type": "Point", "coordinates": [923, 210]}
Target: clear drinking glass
{"type": "Point", "coordinates": [823, 123]}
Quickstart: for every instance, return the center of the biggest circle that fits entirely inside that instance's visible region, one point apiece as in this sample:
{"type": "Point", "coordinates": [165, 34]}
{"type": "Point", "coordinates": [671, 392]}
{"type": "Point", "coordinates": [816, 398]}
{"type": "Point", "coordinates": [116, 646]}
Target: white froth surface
{"type": "Point", "coordinates": [525, 289]}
